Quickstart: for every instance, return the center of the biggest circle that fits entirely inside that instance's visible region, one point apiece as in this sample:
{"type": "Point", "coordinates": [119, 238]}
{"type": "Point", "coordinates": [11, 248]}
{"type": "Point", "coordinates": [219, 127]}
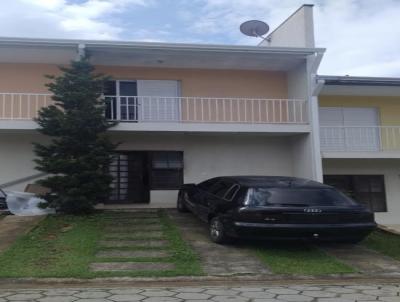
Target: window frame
{"type": "Point", "coordinates": [116, 100]}
{"type": "Point", "coordinates": [231, 189]}
{"type": "Point", "coordinates": [156, 186]}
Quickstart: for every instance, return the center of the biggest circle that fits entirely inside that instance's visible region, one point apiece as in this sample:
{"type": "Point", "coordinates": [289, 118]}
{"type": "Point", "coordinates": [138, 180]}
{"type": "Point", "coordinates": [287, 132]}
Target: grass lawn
{"type": "Point", "coordinates": [298, 258]}
{"type": "Point", "coordinates": [384, 242]}
{"type": "Point", "coordinates": [64, 246]}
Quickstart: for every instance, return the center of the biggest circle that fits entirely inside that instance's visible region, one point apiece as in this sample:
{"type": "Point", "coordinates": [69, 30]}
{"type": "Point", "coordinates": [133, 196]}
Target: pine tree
{"type": "Point", "coordinates": [79, 153]}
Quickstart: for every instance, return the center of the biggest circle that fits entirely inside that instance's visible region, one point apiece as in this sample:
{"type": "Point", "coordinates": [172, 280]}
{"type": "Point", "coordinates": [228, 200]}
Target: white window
{"type": "Point", "coordinates": [142, 100]}
{"type": "Point", "coordinates": [349, 129]}
{"type": "Point", "coordinates": [158, 100]}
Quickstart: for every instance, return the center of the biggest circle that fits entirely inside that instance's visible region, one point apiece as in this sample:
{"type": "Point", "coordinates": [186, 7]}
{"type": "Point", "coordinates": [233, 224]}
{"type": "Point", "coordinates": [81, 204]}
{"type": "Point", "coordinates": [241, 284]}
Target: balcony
{"type": "Point", "coordinates": [178, 113]}
{"type": "Point", "coordinates": [360, 142]}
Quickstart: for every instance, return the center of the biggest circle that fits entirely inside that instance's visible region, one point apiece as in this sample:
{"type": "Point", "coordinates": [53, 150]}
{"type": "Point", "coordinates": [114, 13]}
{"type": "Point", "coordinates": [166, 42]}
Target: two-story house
{"type": "Point", "coordinates": [360, 140]}
{"type": "Point", "coordinates": [188, 112]}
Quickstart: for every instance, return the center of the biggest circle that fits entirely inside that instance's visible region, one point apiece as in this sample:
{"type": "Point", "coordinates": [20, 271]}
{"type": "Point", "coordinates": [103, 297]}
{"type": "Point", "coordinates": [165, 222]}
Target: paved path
{"type": "Point", "coordinates": [364, 260]}
{"type": "Point", "coordinates": [12, 227]}
{"type": "Point", "coordinates": [306, 293]}
{"type": "Point", "coordinates": [216, 259]}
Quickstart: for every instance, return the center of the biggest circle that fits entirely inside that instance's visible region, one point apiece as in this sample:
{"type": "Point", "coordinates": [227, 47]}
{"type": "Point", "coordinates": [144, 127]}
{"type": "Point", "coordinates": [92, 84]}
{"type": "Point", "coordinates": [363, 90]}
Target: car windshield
{"type": "Point", "coordinates": [259, 197]}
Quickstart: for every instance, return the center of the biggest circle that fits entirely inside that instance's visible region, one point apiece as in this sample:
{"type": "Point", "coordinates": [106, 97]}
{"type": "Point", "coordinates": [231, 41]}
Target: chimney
{"type": "Point", "coordinates": [296, 31]}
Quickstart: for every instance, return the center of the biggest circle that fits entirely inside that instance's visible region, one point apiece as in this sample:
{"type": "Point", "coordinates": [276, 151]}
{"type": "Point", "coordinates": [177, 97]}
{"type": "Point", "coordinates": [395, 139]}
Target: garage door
{"type": "Point", "coordinates": [349, 129]}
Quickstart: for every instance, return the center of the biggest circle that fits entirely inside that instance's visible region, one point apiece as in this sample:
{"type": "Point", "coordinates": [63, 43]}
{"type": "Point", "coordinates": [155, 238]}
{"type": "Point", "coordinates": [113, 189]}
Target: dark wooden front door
{"type": "Point", "coordinates": [131, 180]}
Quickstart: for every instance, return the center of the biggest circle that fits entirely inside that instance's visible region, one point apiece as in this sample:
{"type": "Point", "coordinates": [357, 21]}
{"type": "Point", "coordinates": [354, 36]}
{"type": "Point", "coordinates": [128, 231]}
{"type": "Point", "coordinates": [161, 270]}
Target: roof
{"type": "Point", "coordinates": [275, 181]}
{"type": "Point", "coordinates": [155, 45]}
{"type": "Point", "coordinates": [151, 54]}
{"type": "Point", "coordinates": [360, 81]}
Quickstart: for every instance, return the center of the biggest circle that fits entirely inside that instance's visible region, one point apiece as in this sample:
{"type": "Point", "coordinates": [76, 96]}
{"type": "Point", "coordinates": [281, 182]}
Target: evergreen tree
{"type": "Point", "coordinates": [79, 152]}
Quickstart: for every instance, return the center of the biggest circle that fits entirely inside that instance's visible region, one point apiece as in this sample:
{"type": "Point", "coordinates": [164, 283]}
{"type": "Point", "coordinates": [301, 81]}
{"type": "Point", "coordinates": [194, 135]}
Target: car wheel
{"type": "Point", "coordinates": [180, 205]}
{"type": "Point", "coordinates": [217, 231]}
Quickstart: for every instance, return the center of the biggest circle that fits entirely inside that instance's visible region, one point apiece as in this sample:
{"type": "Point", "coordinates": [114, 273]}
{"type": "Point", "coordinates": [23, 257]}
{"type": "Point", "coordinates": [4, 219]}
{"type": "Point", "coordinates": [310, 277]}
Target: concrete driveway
{"type": "Point", "coordinates": [236, 260]}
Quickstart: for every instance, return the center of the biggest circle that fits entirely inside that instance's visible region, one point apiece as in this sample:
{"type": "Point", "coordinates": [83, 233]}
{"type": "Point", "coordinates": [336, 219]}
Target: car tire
{"type": "Point", "coordinates": [217, 231]}
{"type": "Point", "coordinates": [180, 204]}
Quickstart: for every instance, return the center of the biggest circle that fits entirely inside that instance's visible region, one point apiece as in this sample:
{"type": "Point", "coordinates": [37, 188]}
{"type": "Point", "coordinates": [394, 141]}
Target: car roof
{"type": "Point", "coordinates": [275, 181]}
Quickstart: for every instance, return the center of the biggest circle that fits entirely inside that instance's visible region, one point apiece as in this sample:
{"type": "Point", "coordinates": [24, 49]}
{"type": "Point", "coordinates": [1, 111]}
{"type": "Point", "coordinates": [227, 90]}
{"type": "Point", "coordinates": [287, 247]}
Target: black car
{"type": "Point", "coordinates": [3, 204]}
{"type": "Point", "coordinates": [267, 207]}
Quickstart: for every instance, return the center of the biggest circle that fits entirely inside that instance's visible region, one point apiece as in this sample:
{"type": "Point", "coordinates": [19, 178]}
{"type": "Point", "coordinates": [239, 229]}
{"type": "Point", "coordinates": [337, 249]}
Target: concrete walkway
{"type": "Point", "coordinates": [364, 260]}
{"type": "Point", "coordinates": [217, 260]}
{"type": "Point", "coordinates": [302, 293]}
{"type": "Point", "coordinates": [12, 227]}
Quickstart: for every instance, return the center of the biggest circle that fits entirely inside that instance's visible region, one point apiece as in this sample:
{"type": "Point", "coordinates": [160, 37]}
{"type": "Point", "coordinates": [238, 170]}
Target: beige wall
{"type": "Point", "coordinates": [195, 82]}
{"type": "Point", "coordinates": [210, 83]}
{"type": "Point", "coordinates": [25, 78]}
{"type": "Point", "coordinates": [30, 78]}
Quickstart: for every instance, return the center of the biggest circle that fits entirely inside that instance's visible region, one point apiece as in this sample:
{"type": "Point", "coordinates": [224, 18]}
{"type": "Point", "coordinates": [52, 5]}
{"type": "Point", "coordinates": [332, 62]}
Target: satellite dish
{"type": "Point", "coordinates": [254, 28]}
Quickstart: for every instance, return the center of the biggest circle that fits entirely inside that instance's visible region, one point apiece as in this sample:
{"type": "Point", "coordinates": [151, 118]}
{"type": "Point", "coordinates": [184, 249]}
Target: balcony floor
{"type": "Point", "coordinates": [361, 154]}
{"type": "Point", "coordinates": [21, 125]}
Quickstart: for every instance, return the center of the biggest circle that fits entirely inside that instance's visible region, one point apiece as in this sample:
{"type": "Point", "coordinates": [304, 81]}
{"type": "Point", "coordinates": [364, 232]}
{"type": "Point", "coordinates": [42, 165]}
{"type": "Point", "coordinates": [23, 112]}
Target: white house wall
{"type": "Point", "coordinates": [204, 156]}
{"type": "Point", "coordinates": [217, 155]}
{"type": "Point", "coordinates": [16, 158]}
{"type": "Point", "coordinates": [295, 31]}
{"type": "Point", "coordinates": [390, 168]}
{"type": "Point", "coordinates": [305, 162]}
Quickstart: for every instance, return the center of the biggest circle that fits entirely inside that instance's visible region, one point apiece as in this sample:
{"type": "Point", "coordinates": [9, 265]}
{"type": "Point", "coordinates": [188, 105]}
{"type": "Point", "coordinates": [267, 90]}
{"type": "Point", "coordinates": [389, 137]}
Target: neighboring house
{"type": "Point", "coordinates": [360, 140]}
{"type": "Point", "coordinates": [190, 112]}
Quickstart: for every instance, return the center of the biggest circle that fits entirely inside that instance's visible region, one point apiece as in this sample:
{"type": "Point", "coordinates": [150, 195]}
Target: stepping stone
{"type": "Point", "coordinates": [133, 228]}
{"type": "Point", "coordinates": [124, 218]}
{"type": "Point", "coordinates": [132, 235]}
{"type": "Point", "coordinates": [131, 254]}
{"type": "Point", "coordinates": [143, 214]}
{"type": "Point", "coordinates": [133, 243]}
{"type": "Point", "coordinates": [132, 221]}
{"type": "Point", "coordinates": [130, 266]}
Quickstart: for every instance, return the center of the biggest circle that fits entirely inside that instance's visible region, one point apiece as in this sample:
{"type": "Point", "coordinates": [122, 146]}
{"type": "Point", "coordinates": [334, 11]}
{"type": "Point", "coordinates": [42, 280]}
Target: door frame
{"type": "Point", "coordinates": [146, 182]}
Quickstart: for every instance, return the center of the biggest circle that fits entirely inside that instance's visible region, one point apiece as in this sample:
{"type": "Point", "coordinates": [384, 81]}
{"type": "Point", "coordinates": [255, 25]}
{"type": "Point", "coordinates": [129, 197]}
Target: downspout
{"type": "Point", "coordinates": [315, 87]}
{"type": "Point", "coordinates": [81, 52]}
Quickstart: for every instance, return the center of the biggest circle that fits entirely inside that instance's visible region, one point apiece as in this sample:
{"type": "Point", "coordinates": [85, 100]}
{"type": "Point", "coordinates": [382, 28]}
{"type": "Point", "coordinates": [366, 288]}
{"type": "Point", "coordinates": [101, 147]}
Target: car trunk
{"type": "Point", "coordinates": [304, 215]}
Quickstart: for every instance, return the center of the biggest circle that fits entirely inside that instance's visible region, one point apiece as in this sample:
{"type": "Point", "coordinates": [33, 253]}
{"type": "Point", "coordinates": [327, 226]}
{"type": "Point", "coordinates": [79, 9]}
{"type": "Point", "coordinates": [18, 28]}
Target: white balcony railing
{"type": "Point", "coordinates": [24, 106]}
{"type": "Point", "coordinates": [360, 139]}
{"type": "Point", "coordinates": [206, 110]}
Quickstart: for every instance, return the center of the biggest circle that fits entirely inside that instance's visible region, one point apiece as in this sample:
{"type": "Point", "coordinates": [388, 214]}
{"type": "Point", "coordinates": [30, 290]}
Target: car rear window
{"type": "Point", "coordinates": [297, 197]}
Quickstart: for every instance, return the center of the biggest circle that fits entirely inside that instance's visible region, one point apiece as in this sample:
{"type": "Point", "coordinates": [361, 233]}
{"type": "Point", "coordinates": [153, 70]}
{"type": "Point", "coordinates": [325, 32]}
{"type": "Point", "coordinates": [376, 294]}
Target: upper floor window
{"type": "Point", "coordinates": [142, 100]}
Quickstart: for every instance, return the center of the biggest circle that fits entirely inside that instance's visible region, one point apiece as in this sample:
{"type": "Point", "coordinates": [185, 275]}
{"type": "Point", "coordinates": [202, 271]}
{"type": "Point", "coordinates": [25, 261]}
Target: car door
{"type": "Point", "coordinates": [213, 199]}
{"type": "Point", "coordinates": [3, 204]}
{"type": "Point", "coordinates": [196, 195]}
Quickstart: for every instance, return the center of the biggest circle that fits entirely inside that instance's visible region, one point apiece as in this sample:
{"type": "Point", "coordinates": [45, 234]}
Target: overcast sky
{"type": "Point", "coordinates": [362, 37]}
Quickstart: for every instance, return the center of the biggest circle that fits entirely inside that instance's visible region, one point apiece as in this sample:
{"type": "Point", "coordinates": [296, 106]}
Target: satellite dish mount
{"type": "Point", "coordinates": [254, 28]}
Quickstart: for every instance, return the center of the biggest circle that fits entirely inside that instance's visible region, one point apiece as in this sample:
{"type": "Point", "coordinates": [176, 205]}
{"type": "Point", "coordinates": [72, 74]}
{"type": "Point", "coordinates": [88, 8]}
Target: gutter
{"type": "Point", "coordinates": [159, 46]}
{"type": "Point", "coordinates": [359, 81]}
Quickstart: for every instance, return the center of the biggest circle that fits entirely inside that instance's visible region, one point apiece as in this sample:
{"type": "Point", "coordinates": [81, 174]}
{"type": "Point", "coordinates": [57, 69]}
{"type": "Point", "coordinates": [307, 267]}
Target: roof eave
{"type": "Point", "coordinates": [155, 45]}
